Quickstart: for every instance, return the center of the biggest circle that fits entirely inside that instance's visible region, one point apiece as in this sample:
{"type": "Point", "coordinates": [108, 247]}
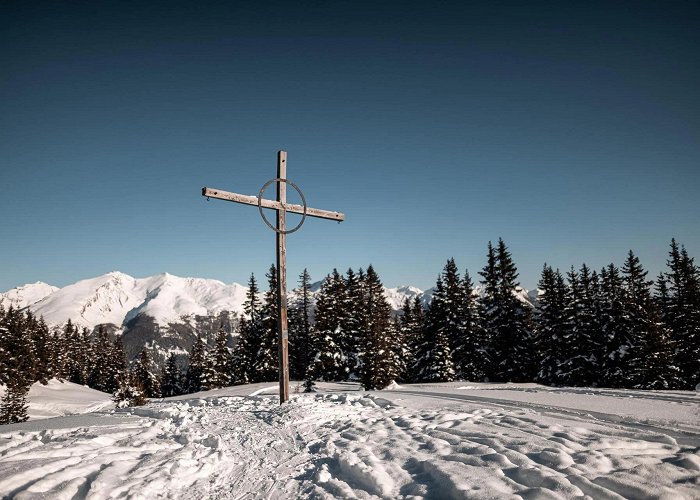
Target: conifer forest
{"type": "Point", "coordinates": [614, 327]}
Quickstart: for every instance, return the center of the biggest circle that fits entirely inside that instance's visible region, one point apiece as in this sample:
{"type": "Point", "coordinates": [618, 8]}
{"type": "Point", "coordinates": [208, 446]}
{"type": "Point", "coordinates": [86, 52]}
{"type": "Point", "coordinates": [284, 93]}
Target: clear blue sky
{"type": "Point", "coordinates": [570, 129]}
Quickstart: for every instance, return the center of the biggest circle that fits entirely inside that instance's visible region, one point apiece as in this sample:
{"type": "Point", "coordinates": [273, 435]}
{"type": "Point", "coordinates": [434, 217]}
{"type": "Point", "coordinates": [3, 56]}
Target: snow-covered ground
{"type": "Point", "coordinates": [57, 398]}
{"type": "Point", "coordinates": [422, 441]}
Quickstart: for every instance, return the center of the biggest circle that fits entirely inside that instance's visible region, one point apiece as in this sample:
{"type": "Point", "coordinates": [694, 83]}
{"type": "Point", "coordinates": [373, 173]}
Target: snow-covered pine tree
{"type": "Point", "coordinates": [14, 404]}
{"type": "Point", "coordinates": [657, 369]}
{"type": "Point", "coordinates": [58, 353]}
{"type": "Point", "coordinates": [329, 363]}
{"type": "Point", "coordinates": [4, 354]}
{"type": "Point", "coordinates": [117, 363]}
{"type": "Point", "coordinates": [552, 328]}
{"type": "Point", "coordinates": [471, 355]}
{"type": "Point", "coordinates": [80, 353]}
{"type": "Point", "coordinates": [266, 357]}
{"type": "Point", "coordinates": [434, 359]}
{"type": "Point", "coordinates": [683, 312]}
{"type": "Point", "coordinates": [414, 337]}
{"type": "Point", "coordinates": [616, 330]}
{"type": "Point", "coordinates": [245, 351]}
{"type": "Point", "coordinates": [171, 379]}
{"type": "Point", "coordinates": [27, 333]}
{"type": "Point", "coordinates": [41, 352]}
{"type": "Point", "coordinates": [378, 367]}
{"type": "Point", "coordinates": [353, 320]}
{"type": "Point", "coordinates": [454, 306]}
{"type": "Point", "coordinates": [198, 367]}
{"type": "Point", "coordinates": [129, 391]}
{"type": "Point", "coordinates": [589, 331]}
{"type": "Point", "coordinates": [16, 345]}
{"type": "Point", "coordinates": [506, 319]}
{"type": "Point", "coordinates": [143, 372]}
{"type": "Point", "coordinates": [221, 360]}
{"type": "Point", "coordinates": [101, 371]}
{"type": "Point", "coordinates": [411, 336]}
{"type": "Point", "coordinates": [580, 346]}
{"type": "Point", "coordinates": [300, 348]}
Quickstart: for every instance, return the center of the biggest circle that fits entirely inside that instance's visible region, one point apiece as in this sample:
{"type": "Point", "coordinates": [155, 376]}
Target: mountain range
{"type": "Point", "coordinates": [164, 312]}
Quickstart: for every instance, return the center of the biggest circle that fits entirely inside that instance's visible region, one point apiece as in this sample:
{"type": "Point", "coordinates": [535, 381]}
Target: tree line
{"type": "Point", "coordinates": [612, 328]}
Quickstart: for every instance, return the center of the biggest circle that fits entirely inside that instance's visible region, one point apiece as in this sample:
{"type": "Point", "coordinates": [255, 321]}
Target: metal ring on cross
{"type": "Point", "coordinates": [262, 214]}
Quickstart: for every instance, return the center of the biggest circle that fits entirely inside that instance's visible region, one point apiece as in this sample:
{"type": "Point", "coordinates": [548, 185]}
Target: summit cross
{"type": "Point", "coordinates": [281, 207]}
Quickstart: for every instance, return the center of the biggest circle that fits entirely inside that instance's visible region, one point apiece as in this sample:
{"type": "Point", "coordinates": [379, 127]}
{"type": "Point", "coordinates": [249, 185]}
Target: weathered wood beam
{"type": "Point", "coordinates": [253, 200]}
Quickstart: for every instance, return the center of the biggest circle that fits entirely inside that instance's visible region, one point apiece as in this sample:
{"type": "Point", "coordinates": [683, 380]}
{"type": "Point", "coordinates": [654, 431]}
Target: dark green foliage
{"type": "Point", "coordinates": [266, 363]}
{"type": "Point", "coordinates": [221, 361]}
{"type": "Point", "coordinates": [245, 351]}
{"type": "Point", "coordinates": [353, 321]}
{"type": "Point", "coordinates": [616, 332]}
{"type": "Point", "coordinates": [14, 405]}
{"type": "Point", "coordinates": [198, 376]}
{"type": "Point", "coordinates": [108, 362]}
{"type": "Point", "coordinates": [330, 363]}
{"type": "Point", "coordinates": [378, 359]}
{"type": "Point", "coordinates": [553, 328]}
{"type": "Point", "coordinates": [171, 378]}
{"type": "Point", "coordinates": [507, 320]}
{"type": "Point", "coordinates": [129, 391]}
{"type": "Point", "coordinates": [682, 312]}
{"type": "Point", "coordinates": [143, 373]}
{"type": "Point", "coordinates": [470, 355]}
{"type": "Point", "coordinates": [300, 347]}
{"type": "Point", "coordinates": [411, 325]}
{"type": "Point", "coordinates": [16, 361]}
{"type": "Point", "coordinates": [434, 363]}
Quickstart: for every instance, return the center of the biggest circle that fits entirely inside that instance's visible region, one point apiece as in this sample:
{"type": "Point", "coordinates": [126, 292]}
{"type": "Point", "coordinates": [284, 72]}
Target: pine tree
{"type": "Point", "coordinates": [197, 376]}
{"type": "Point", "coordinates": [266, 356]}
{"type": "Point", "coordinates": [41, 351]}
{"type": "Point", "coordinates": [412, 325]}
{"type": "Point", "coordinates": [683, 312]}
{"type": "Point", "coordinates": [79, 345]}
{"type": "Point", "coordinates": [434, 360]}
{"type": "Point", "coordinates": [147, 379]}
{"type": "Point", "coordinates": [221, 360]}
{"type": "Point", "coordinates": [117, 364]}
{"type": "Point", "coordinates": [171, 380]}
{"type": "Point", "coordinates": [330, 363]}
{"type": "Point", "coordinates": [378, 358]}
{"type": "Point", "coordinates": [14, 405]}
{"type": "Point", "coordinates": [16, 347]}
{"type": "Point", "coordinates": [470, 355]}
{"type": "Point", "coordinates": [129, 391]}
{"type": "Point", "coordinates": [300, 348]}
{"type": "Point", "coordinates": [506, 319]}
{"type": "Point", "coordinates": [616, 330]}
{"type": "Point", "coordinates": [353, 320]}
{"type": "Point", "coordinates": [102, 371]}
{"type": "Point", "coordinates": [582, 340]}
{"type": "Point", "coordinates": [245, 351]}
{"type": "Point", "coordinates": [552, 328]}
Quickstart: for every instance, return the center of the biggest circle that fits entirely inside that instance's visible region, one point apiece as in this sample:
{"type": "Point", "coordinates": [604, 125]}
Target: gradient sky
{"type": "Point", "coordinates": [570, 129]}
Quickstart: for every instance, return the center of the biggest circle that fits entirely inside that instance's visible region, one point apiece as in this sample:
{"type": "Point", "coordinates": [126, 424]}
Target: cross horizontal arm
{"type": "Point", "coordinates": [253, 200]}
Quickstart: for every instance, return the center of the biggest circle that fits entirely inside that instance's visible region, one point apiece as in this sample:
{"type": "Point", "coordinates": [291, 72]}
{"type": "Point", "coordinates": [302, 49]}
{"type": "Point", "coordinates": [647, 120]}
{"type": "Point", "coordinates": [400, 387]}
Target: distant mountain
{"type": "Point", "coordinates": [117, 298]}
{"type": "Point", "coordinates": [26, 295]}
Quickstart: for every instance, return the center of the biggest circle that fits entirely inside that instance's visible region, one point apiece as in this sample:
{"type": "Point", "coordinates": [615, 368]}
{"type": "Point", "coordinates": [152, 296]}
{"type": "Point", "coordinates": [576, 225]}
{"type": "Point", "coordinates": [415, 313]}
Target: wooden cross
{"type": "Point", "coordinates": [281, 207]}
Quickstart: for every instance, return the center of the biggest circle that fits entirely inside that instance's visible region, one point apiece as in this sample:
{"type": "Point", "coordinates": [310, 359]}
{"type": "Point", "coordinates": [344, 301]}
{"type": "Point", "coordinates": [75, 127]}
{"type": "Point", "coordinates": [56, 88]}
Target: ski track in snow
{"type": "Point", "coordinates": [343, 445]}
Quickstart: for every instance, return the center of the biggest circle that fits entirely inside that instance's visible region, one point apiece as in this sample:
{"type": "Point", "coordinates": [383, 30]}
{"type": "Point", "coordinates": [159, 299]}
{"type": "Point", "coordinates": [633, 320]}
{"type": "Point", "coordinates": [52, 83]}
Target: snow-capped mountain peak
{"type": "Point", "coordinates": [26, 295]}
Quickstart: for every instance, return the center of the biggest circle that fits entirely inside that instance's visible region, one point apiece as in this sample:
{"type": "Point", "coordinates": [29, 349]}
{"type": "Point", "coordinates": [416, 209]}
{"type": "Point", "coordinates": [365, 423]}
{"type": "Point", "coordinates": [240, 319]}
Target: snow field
{"type": "Point", "coordinates": [341, 445]}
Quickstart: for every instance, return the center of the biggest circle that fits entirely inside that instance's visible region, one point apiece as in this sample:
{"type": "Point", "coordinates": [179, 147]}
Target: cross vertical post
{"type": "Point", "coordinates": [282, 330]}
{"type": "Point", "coordinates": [281, 206]}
